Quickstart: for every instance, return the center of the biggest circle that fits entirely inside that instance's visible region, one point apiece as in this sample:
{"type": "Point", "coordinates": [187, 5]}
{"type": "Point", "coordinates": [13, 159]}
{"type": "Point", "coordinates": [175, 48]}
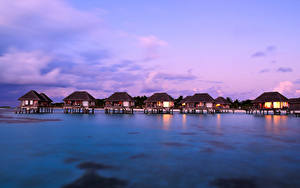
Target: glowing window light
{"type": "Point", "coordinates": [218, 105]}
{"type": "Point", "coordinates": [268, 105]}
{"type": "Point", "coordinates": [166, 104]}
{"type": "Point", "coordinates": [276, 104]}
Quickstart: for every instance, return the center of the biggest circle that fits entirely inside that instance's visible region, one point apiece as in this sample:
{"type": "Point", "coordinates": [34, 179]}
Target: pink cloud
{"type": "Point", "coordinates": [151, 44]}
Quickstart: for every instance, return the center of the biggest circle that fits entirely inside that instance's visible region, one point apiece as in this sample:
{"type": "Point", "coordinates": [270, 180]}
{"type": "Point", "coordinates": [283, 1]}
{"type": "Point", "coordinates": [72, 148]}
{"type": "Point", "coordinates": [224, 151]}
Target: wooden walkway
{"type": "Point", "coordinates": [118, 110]}
{"type": "Point", "coordinates": [33, 110]}
{"type": "Point", "coordinates": [158, 110]}
{"type": "Point", "coordinates": [78, 110]}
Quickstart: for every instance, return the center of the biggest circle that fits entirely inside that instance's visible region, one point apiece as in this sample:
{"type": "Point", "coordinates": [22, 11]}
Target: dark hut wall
{"type": "Point", "coordinates": [79, 103]}
{"type": "Point", "coordinates": [164, 104]}
{"type": "Point", "coordinates": [221, 102]}
{"type": "Point", "coordinates": [79, 99]}
{"type": "Point", "coordinates": [271, 100]}
{"type": "Point", "coordinates": [121, 99]}
{"type": "Point", "coordinates": [200, 100]}
{"type": "Point", "coordinates": [34, 99]}
{"type": "Point", "coordinates": [275, 105]}
{"type": "Point", "coordinates": [119, 103]}
{"type": "Point", "coordinates": [160, 100]}
{"type": "Point", "coordinates": [29, 103]}
{"type": "Point", "coordinates": [294, 104]}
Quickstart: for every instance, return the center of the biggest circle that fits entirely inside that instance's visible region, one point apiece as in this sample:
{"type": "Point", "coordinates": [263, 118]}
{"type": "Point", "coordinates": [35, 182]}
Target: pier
{"type": "Point", "coordinates": [78, 110]}
{"type": "Point", "coordinates": [118, 110]}
{"type": "Point", "coordinates": [33, 110]}
{"type": "Point", "coordinates": [158, 110]}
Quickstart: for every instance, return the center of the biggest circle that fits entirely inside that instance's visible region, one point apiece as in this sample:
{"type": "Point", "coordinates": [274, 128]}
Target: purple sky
{"type": "Point", "coordinates": [237, 49]}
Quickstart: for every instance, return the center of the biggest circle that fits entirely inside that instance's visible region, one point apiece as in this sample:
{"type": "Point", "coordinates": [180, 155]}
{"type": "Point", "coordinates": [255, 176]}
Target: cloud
{"type": "Point", "coordinates": [271, 48]}
{"type": "Point", "coordinates": [24, 68]}
{"type": "Point", "coordinates": [284, 69]}
{"type": "Point", "coordinates": [175, 77]}
{"type": "Point", "coordinates": [264, 70]}
{"type": "Point", "coordinates": [51, 46]}
{"type": "Point", "coordinates": [287, 88]}
{"type": "Point", "coordinates": [297, 81]}
{"type": "Point", "coordinates": [151, 44]}
{"type": "Point", "coordinates": [258, 54]}
{"type": "Point", "coordinates": [151, 90]}
{"type": "Point", "coordinates": [268, 50]}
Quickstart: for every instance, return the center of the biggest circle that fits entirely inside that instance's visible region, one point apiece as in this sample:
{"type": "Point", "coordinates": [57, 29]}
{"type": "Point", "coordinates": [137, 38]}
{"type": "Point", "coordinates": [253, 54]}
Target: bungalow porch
{"type": "Point", "coordinates": [34, 102]}
{"type": "Point", "coordinates": [80, 102]}
{"type": "Point", "coordinates": [159, 103]}
{"type": "Point", "coordinates": [199, 103]}
{"type": "Point", "coordinates": [270, 102]}
{"type": "Point", "coordinates": [120, 103]}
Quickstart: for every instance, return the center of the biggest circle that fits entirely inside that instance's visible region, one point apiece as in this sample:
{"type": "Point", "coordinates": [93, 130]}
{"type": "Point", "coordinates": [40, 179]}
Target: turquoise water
{"type": "Point", "coordinates": [221, 150]}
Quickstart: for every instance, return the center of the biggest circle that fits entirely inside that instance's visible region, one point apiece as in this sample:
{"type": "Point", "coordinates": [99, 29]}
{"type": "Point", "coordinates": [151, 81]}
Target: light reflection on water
{"type": "Point", "coordinates": [184, 121]}
{"type": "Point", "coordinates": [276, 124]}
{"type": "Point", "coordinates": [166, 121]}
{"type": "Point", "coordinates": [193, 152]}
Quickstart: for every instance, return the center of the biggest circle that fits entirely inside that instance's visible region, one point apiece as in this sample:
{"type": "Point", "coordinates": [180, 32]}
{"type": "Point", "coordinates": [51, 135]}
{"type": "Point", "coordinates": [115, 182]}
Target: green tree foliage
{"type": "Point", "coordinates": [229, 100]}
{"type": "Point", "coordinates": [246, 104]}
{"type": "Point", "coordinates": [139, 101]}
{"type": "Point", "coordinates": [58, 104]}
{"type": "Point", "coordinates": [177, 102]}
{"type": "Point", "coordinates": [100, 103]}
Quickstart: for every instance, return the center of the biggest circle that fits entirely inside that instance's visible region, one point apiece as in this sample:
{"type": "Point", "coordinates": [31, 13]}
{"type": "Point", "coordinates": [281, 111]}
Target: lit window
{"type": "Point", "coordinates": [276, 104]}
{"type": "Point", "coordinates": [268, 105]}
{"type": "Point", "coordinates": [166, 104]}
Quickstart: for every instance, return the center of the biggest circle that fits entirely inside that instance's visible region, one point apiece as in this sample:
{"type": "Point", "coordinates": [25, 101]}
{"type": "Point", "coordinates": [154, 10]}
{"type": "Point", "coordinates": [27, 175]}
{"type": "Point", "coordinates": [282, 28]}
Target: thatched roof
{"type": "Point", "coordinates": [159, 97]}
{"type": "Point", "coordinates": [270, 97]}
{"type": "Point", "coordinates": [185, 99]}
{"type": "Point", "coordinates": [201, 97]}
{"type": "Point", "coordinates": [45, 97]}
{"type": "Point", "coordinates": [80, 95]}
{"type": "Point", "coordinates": [294, 100]}
{"type": "Point", "coordinates": [120, 96]}
{"type": "Point", "coordinates": [221, 100]}
{"type": "Point", "coordinates": [33, 95]}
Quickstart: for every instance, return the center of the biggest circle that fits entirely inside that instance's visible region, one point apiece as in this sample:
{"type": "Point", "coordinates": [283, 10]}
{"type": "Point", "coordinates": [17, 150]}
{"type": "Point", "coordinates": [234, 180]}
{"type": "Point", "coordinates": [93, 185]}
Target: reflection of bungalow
{"type": "Point", "coordinates": [120, 102]}
{"type": "Point", "coordinates": [222, 103]}
{"type": "Point", "coordinates": [79, 102]}
{"type": "Point", "coordinates": [159, 103]}
{"type": "Point", "coordinates": [199, 102]}
{"type": "Point", "coordinates": [33, 102]}
{"type": "Point", "coordinates": [269, 101]}
{"type": "Point", "coordinates": [294, 105]}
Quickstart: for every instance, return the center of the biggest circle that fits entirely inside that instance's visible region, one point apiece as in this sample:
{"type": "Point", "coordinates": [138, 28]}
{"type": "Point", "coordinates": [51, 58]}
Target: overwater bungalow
{"type": "Point", "coordinates": [221, 104]}
{"type": "Point", "coordinates": [119, 102]}
{"type": "Point", "coordinates": [294, 106]}
{"type": "Point", "coordinates": [34, 102]}
{"type": "Point", "coordinates": [159, 103]}
{"type": "Point", "coordinates": [198, 103]}
{"type": "Point", "coordinates": [271, 101]}
{"type": "Point", "coordinates": [79, 102]}
{"type": "Point", "coordinates": [182, 102]}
